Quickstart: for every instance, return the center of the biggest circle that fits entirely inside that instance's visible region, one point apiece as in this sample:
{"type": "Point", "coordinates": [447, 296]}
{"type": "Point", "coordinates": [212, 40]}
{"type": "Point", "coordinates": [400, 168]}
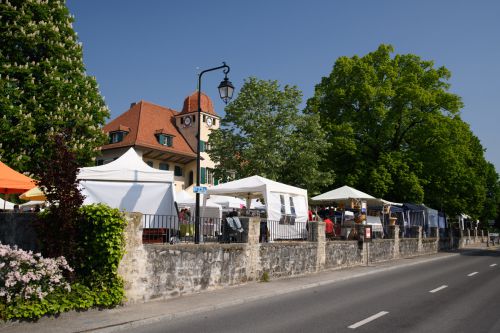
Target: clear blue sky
{"type": "Point", "coordinates": [154, 49]}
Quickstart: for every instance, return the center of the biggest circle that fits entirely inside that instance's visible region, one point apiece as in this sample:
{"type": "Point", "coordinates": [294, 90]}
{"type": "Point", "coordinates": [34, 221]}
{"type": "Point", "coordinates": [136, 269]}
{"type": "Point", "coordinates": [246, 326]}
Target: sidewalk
{"type": "Point", "coordinates": [139, 314]}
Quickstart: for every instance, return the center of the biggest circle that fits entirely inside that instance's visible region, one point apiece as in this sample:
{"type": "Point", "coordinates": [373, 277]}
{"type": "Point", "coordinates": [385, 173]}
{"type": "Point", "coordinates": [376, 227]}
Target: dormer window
{"type": "Point", "coordinates": [117, 136]}
{"type": "Point", "coordinates": [165, 140]}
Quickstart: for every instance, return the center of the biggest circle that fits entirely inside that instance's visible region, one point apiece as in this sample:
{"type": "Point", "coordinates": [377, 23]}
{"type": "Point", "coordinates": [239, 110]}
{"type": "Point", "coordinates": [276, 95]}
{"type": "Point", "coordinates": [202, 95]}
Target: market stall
{"type": "Point", "coordinates": [285, 205]}
{"type": "Point", "coordinates": [130, 185]}
{"type": "Point", "coordinates": [349, 206]}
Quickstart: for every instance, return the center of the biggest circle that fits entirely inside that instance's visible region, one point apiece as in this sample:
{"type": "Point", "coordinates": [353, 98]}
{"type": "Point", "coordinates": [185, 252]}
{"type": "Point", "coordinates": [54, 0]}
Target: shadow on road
{"type": "Point", "coordinates": [486, 252]}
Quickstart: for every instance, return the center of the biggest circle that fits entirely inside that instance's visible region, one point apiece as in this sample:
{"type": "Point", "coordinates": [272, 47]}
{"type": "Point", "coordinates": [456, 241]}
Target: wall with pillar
{"type": "Point", "coordinates": [155, 271]}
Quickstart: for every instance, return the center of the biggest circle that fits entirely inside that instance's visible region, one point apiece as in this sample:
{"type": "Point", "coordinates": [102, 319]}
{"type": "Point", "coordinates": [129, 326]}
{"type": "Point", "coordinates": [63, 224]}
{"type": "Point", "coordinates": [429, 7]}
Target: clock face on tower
{"type": "Point", "coordinates": [209, 121]}
{"type": "Point", "coordinates": [187, 121]}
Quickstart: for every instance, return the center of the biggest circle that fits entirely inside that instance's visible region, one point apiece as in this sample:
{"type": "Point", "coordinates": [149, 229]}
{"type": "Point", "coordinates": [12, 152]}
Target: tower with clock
{"type": "Point", "coordinates": [187, 123]}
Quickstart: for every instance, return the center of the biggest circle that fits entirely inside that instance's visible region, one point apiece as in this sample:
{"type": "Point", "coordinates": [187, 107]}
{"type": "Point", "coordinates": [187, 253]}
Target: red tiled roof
{"type": "Point", "coordinates": [191, 104]}
{"type": "Point", "coordinates": [144, 120]}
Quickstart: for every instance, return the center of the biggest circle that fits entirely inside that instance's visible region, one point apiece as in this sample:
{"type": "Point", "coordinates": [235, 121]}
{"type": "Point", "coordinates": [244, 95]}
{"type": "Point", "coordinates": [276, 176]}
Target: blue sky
{"type": "Point", "coordinates": [154, 49]}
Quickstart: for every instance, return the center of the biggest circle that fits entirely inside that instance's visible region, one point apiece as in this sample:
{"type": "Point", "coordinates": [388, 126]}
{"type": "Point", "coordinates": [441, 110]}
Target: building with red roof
{"type": "Point", "coordinates": [165, 138]}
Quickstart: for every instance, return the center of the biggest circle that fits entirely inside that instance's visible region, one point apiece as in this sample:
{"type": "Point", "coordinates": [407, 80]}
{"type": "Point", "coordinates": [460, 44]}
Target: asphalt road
{"type": "Point", "coordinates": [456, 294]}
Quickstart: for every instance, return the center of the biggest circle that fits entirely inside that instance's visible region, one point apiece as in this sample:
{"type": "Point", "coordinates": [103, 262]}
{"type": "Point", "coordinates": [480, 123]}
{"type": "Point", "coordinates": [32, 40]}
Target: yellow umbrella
{"type": "Point", "coordinates": [34, 194]}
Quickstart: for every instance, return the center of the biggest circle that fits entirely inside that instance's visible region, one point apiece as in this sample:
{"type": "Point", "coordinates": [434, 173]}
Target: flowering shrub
{"type": "Point", "coordinates": [27, 276]}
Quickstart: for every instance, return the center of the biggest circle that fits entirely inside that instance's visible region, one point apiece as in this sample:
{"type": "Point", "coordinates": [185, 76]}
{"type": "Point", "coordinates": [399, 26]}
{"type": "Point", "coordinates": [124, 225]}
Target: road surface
{"type": "Point", "coordinates": [456, 294]}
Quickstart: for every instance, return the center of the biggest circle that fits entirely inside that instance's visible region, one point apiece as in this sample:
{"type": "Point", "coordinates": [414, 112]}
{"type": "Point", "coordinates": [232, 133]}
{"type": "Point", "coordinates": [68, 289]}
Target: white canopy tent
{"type": "Point", "coordinates": [229, 202]}
{"type": "Point", "coordinates": [344, 195]}
{"type": "Point", "coordinates": [7, 205]}
{"type": "Point", "coordinates": [284, 204]}
{"type": "Point", "coordinates": [276, 196]}
{"type": "Point", "coordinates": [209, 210]}
{"type": "Point", "coordinates": [27, 206]}
{"type": "Point", "coordinates": [129, 184]}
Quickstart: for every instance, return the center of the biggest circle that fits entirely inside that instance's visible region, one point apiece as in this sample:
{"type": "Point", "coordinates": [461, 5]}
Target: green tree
{"type": "Point", "coordinates": [264, 133]}
{"type": "Point", "coordinates": [395, 131]}
{"type": "Point", "coordinates": [371, 106]}
{"type": "Point", "coordinates": [44, 89]}
{"type": "Point", "coordinates": [453, 166]}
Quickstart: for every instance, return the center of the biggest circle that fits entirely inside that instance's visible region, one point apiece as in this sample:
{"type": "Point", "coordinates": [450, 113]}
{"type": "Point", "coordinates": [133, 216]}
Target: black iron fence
{"type": "Point", "coordinates": [271, 231]}
{"type": "Point", "coordinates": [171, 229]}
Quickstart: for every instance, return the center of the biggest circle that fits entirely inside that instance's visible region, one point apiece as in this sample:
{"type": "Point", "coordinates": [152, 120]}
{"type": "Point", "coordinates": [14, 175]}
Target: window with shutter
{"type": "Point", "coordinates": [203, 175]}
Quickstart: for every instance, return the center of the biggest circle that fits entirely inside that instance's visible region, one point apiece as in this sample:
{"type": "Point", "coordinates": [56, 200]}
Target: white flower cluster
{"type": "Point", "coordinates": [29, 276]}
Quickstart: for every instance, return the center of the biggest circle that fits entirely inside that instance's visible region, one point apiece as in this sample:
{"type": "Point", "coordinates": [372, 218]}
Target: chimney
{"type": "Point", "coordinates": [132, 104]}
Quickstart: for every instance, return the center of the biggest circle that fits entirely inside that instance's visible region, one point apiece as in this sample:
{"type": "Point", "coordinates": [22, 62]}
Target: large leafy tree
{"type": "Point", "coordinates": [395, 131]}
{"type": "Point", "coordinates": [264, 133]}
{"type": "Point", "coordinates": [44, 89]}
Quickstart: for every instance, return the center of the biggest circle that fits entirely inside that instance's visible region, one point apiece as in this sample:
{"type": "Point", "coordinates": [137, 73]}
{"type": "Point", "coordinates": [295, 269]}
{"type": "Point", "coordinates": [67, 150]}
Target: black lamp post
{"type": "Point", "coordinates": [226, 90]}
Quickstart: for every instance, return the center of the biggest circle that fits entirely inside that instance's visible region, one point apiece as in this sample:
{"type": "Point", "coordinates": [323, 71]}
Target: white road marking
{"type": "Point", "coordinates": [492, 265]}
{"type": "Point", "coordinates": [472, 274]}
{"type": "Point", "coordinates": [438, 289]}
{"type": "Point", "coordinates": [367, 320]}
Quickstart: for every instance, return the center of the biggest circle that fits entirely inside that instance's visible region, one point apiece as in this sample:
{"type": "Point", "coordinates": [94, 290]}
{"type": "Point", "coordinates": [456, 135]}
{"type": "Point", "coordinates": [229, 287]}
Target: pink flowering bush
{"type": "Point", "coordinates": [27, 276]}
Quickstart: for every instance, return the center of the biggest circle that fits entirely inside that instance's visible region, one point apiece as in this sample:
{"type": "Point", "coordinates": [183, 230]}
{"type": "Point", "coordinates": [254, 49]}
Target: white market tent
{"type": "Point", "coordinates": [284, 204]}
{"type": "Point", "coordinates": [27, 206]}
{"type": "Point", "coordinates": [129, 184]}
{"type": "Point", "coordinates": [209, 210]}
{"type": "Point", "coordinates": [7, 205]}
{"type": "Point", "coordinates": [275, 196]}
{"type": "Point", "coordinates": [228, 202]}
{"type": "Point", "coordinates": [344, 195]}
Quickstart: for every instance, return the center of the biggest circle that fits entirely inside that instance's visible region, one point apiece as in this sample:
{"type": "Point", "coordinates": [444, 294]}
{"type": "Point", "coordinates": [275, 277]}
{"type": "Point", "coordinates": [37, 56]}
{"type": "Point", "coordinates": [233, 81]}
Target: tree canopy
{"type": "Point", "coordinates": [395, 131]}
{"type": "Point", "coordinates": [44, 89]}
{"type": "Point", "coordinates": [264, 133]}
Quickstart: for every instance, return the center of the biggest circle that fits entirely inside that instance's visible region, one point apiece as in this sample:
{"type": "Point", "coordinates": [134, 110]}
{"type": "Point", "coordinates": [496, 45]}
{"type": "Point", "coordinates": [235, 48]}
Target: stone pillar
{"type": "Point", "coordinates": [321, 244]}
{"type": "Point", "coordinates": [461, 241]}
{"type": "Point", "coordinates": [253, 230]}
{"type": "Point", "coordinates": [418, 230]}
{"type": "Point", "coordinates": [394, 234]}
{"type": "Point", "coordinates": [451, 238]}
{"type": "Point", "coordinates": [475, 235]}
{"type": "Point", "coordinates": [132, 267]}
{"type": "Point", "coordinates": [253, 249]}
{"type": "Point", "coordinates": [468, 236]}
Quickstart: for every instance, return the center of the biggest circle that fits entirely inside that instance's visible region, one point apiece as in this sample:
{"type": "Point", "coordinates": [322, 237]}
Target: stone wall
{"type": "Point", "coordinates": [429, 246]}
{"type": "Point", "coordinates": [18, 229]}
{"type": "Point", "coordinates": [288, 258]}
{"type": "Point", "coordinates": [381, 250]}
{"type": "Point", "coordinates": [408, 247]}
{"type": "Point", "coordinates": [155, 271]}
{"type": "Point", "coordinates": [178, 269]}
{"type": "Point", "coordinates": [339, 254]}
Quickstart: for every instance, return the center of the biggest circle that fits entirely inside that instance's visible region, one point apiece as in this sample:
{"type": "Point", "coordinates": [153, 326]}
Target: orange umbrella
{"type": "Point", "coordinates": [12, 181]}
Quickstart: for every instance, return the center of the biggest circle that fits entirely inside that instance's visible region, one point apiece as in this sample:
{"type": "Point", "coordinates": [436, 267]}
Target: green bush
{"type": "Point", "coordinates": [60, 300]}
{"type": "Point", "coordinates": [100, 250]}
{"type": "Point", "coordinates": [97, 252]}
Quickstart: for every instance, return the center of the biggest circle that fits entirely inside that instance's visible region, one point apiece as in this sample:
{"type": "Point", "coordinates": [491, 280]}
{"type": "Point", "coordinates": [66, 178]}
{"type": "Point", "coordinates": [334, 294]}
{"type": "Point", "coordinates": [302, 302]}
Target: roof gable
{"type": "Point", "coordinates": [145, 120]}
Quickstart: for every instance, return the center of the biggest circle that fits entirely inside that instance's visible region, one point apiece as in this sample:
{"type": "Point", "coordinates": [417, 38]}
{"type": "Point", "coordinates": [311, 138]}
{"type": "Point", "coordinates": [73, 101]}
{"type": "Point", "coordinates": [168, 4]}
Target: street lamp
{"type": "Point", "coordinates": [226, 90]}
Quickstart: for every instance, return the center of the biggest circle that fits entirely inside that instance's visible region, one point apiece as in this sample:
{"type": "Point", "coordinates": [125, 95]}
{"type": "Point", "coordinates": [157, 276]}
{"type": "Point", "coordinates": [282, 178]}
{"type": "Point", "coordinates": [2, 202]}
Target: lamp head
{"type": "Point", "coordinates": [226, 90]}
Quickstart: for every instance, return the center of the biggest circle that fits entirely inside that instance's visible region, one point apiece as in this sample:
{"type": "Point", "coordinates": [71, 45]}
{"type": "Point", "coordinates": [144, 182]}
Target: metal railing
{"type": "Point", "coordinates": [170, 229]}
{"type": "Point", "coordinates": [271, 231]}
